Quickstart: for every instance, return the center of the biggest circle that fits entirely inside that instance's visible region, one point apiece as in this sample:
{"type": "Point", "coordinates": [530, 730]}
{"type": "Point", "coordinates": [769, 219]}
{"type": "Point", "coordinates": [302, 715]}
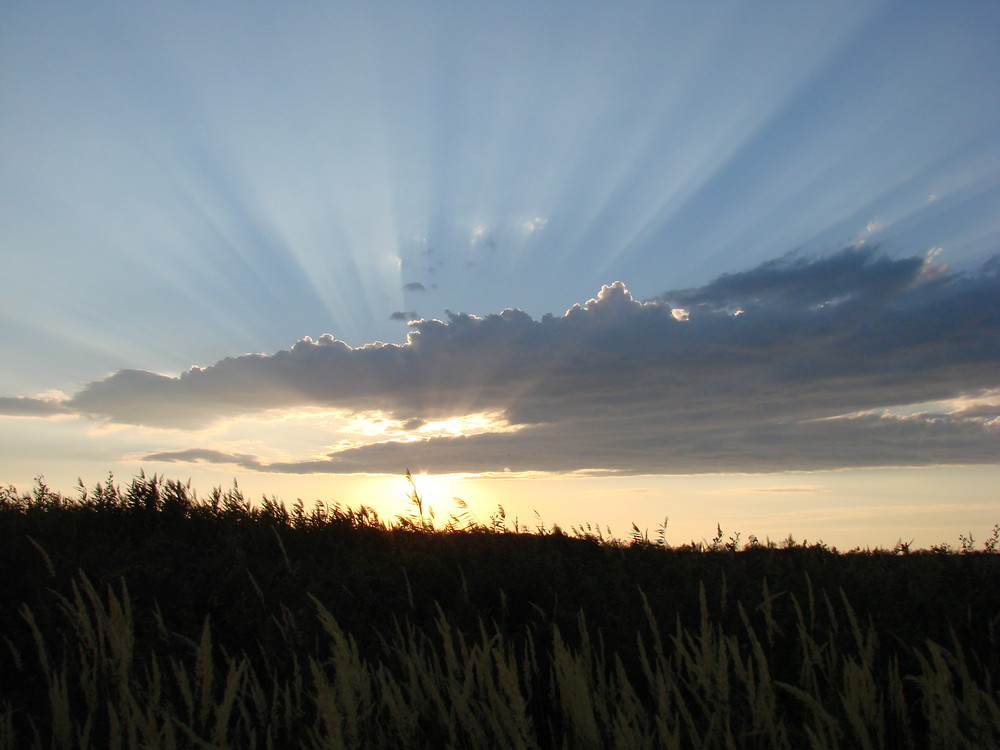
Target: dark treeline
{"type": "Point", "coordinates": [273, 583]}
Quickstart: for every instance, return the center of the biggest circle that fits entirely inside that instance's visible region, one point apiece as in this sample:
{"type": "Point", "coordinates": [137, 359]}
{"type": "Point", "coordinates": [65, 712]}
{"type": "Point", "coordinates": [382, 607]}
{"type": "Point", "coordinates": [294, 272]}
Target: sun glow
{"type": "Point", "coordinates": [446, 497]}
{"type": "Point", "coordinates": [469, 424]}
{"type": "Point", "coordinates": [377, 426]}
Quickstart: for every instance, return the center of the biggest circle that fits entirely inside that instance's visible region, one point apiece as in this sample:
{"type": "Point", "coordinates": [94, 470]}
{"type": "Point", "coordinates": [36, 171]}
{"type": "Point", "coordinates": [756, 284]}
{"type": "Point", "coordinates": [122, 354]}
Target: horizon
{"type": "Point", "coordinates": [734, 265]}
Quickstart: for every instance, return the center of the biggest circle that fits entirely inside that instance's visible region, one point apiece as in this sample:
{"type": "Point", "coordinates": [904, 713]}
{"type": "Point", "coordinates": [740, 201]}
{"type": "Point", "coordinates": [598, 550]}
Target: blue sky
{"type": "Point", "coordinates": [800, 201]}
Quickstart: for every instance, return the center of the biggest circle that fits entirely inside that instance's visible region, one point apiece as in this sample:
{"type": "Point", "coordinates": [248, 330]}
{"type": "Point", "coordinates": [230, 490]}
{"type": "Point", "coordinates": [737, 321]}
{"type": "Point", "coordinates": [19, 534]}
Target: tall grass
{"type": "Point", "coordinates": [414, 638]}
{"type": "Point", "coordinates": [701, 687]}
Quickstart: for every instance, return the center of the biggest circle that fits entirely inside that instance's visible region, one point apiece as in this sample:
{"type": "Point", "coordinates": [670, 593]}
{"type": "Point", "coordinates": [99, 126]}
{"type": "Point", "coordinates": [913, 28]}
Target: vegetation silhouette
{"type": "Point", "coordinates": [143, 615]}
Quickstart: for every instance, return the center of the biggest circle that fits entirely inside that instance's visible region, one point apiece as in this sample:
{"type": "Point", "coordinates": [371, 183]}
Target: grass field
{"type": "Point", "coordinates": [144, 616]}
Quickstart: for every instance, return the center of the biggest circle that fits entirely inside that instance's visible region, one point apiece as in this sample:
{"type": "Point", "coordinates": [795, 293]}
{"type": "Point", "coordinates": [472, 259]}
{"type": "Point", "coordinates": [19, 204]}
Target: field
{"type": "Point", "coordinates": [144, 616]}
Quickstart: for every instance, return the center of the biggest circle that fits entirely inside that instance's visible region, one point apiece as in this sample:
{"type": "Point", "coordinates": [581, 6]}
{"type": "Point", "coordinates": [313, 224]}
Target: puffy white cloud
{"type": "Point", "coordinates": [800, 380]}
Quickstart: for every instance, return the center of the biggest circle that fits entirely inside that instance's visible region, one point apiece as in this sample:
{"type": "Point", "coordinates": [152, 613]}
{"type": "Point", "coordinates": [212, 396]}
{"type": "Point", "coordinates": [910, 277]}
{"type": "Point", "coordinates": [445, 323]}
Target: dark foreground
{"type": "Point", "coordinates": [141, 616]}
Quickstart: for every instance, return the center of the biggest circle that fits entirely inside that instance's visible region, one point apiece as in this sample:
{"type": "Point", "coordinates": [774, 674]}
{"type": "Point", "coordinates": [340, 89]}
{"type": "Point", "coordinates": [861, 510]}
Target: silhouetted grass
{"type": "Point", "coordinates": [143, 616]}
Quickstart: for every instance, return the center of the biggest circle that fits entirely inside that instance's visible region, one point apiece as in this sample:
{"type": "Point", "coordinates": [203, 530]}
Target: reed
{"type": "Point", "coordinates": [704, 687]}
{"type": "Point", "coordinates": [410, 637]}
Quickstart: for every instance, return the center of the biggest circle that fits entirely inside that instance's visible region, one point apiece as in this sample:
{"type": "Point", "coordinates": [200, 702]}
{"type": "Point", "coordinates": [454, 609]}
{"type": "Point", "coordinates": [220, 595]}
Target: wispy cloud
{"type": "Point", "coordinates": [800, 380]}
{"type": "Point", "coordinates": [792, 489]}
{"type": "Point", "coordinates": [205, 455]}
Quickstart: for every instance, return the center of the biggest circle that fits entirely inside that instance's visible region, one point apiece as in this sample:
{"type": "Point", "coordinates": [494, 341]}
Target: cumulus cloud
{"type": "Point", "coordinates": [801, 380]}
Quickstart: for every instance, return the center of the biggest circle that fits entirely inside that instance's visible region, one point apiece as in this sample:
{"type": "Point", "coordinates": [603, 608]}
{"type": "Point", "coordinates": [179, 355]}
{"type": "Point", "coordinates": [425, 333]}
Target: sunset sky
{"type": "Point", "coordinates": [726, 262]}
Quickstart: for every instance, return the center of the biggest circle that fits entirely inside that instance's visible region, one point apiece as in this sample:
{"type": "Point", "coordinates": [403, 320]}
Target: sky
{"type": "Point", "coordinates": [731, 263]}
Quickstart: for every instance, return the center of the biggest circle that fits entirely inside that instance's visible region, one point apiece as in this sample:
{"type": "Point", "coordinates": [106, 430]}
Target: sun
{"type": "Point", "coordinates": [441, 496]}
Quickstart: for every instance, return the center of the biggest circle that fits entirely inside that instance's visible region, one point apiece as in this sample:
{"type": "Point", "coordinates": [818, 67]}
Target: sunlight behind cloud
{"type": "Point", "coordinates": [619, 385]}
{"type": "Point", "coordinates": [468, 424]}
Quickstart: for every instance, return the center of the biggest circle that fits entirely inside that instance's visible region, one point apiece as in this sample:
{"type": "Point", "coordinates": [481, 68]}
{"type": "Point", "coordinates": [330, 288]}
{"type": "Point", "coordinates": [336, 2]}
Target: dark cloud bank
{"type": "Point", "coordinates": [783, 367]}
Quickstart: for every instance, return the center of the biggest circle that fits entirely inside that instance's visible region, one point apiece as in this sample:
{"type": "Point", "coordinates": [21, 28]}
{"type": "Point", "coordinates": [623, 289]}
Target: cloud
{"type": "Point", "coordinates": [22, 406]}
{"type": "Point", "coordinates": [582, 447]}
{"type": "Point", "coordinates": [414, 286]}
{"type": "Point", "coordinates": [859, 274]}
{"type": "Point", "coordinates": [482, 236]}
{"type": "Point", "coordinates": [204, 455]}
{"type": "Point", "coordinates": [405, 315]}
{"type": "Point", "coordinates": [801, 380]}
{"type": "Point", "coordinates": [534, 225]}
